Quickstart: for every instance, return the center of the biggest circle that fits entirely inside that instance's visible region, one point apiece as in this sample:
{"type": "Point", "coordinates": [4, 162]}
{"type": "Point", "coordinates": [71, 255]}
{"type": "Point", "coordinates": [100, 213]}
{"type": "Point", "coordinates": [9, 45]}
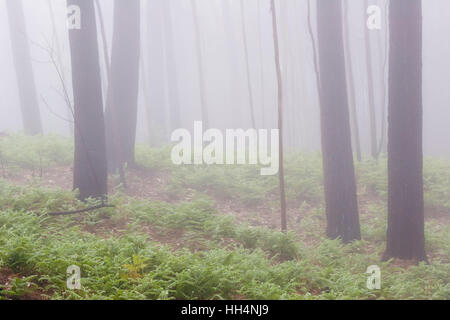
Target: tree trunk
{"type": "Point", "coordinates": [122, 97]}
{"type": "Point", "coordinates": [370, 90]}
{"type": "Point", "coordinates": [261, 66]}
{"type": "Point", "coordinates": [104, 42]}
{"type": "Point", "coordinates": [203, 105]}
{"type": "Point", "coordinates": [90, 169]}
{"type": "Point", "coordinates": [31, 116]}
{"type": "Point", "coordinates": [405, 232]}
{"type": "Point", "coordinates": [382, 146]}
{"type": "Point", "coordinates": [339, 175]}
{"type": "Point", "coordinates": [280, 118]}
{"type": "Point", "coordinates": [351, 84]}
{"type": "Point", "coordinates": [314, 49]}
{"type": "Point", "coordinates": [247, 64]}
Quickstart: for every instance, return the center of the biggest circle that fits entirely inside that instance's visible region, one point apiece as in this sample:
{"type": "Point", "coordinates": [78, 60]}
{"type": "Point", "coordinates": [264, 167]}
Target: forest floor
{"type": "Point", "coordinates": [185, 232]}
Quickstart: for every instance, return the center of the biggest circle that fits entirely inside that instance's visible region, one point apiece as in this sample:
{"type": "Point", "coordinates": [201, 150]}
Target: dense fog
{"type": "Point", "coordinates": [224, 150]}
{"type": "Point", "coordinates": [224, 65]}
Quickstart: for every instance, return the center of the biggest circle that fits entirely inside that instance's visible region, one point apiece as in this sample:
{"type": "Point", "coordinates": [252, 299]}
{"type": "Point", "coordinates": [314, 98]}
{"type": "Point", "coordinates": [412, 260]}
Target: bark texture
{"type": "Point", "coordinates": [90, 169]}
{"type": "Point", "coordinates": [339, 175]}
{"type": "Point", "coordinates": [405, 232]}
{"type": "Point", "coordinates": [122, 97]}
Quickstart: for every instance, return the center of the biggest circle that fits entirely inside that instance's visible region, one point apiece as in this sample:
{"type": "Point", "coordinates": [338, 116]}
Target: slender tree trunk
{"type": "Point", "coordinates": [405, 232]}
{"type": "Point", "coordinates": [280, 117]}
{"type": "Point", "coordinates": [339, 174]}
{"type": "Point", "coordinates": [351, 84]}
{"type": "Point", "coordinates": [314, 49]}
{"type": "Point", "coordinates": [285, 67]}
{"type": "Point", "coordinates": [31, 116]}
{"type": "Point", "coordinates": [204, 107]}
{"type": "Point", "coordinates": [247, 64]}
{"type": "Point", "coordinates": [383, 135]}
{"type": "Point", "coordinates": [370, 90]}
{"type": "Point", "coordinates": [172, 74]}
{"type": "Point", "coordinates": [104, 40]}
{"type": "Point", "coordinates": [261, 67]}
{"type": "Point", "coordinates": [289, 77]}
{"type": "Point", "coordinates": [123, 89]}
{"type": "Point", "coordinates": [90, 168]}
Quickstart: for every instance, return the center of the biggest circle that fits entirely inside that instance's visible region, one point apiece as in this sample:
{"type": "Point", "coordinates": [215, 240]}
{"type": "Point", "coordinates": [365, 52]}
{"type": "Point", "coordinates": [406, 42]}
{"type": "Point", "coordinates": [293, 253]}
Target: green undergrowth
{"type": "Point", "coordinates": [36, 153]}
{"type": "Point", "coordinates": [190, 249]}
{"type": "Point", "coordinates": [257, 263]}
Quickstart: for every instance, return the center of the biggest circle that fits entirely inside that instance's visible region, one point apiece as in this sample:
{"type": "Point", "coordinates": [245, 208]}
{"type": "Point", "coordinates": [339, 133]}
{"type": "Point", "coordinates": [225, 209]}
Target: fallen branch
{"type": "Point", "coordinates": [65, 213]}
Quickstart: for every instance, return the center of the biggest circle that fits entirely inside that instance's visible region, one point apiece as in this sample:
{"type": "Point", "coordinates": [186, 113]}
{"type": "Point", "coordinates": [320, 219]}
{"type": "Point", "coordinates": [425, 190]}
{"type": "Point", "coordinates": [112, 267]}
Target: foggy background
{"type": "Point", "coordinates": [224, 65]}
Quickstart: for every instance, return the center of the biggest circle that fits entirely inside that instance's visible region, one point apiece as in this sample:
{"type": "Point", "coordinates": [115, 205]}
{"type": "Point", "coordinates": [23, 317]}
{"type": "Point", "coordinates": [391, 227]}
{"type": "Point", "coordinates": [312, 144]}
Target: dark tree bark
{"type": "Point", "coordinates": [122, 98]}
{"type": "Point", "coordinates": [90, 169]}
{"type": "Point", "coordinates": [280, 117]}
{"type": "Point", "coordinates": [339, 175]}
{"type": "Point", "coordinates": [405, 232]}
{"type": "Point", "coordinates": [31, 116]}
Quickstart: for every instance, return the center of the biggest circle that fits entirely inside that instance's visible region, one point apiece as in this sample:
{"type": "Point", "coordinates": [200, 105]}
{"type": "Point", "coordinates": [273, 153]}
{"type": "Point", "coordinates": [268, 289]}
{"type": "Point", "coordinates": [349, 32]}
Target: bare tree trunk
{"type": "Point", "coordinates": [314, 49]}
{"type": "Point", "coordinates": [383, 135]}
{"type": "Point", "coordinates": [339, 174]}
{"type": "Point", "coordinates": [261, 67]}
{"type": "Point", "coordinates": [284, 65]}
{"type": "Point", "coordinates": [280, 118]}
{"type": "Point", "coordinates": [123, 90]}
{"type": "Point", "coordinates": [31, 116]}
{"type": "Point", "coordinates": [405, 232]}
{"type": "Point", "coordinates": [370, 90]}
{"type": "Point", "coordinates": [351, 84]}
{"type": "Point", "coordinates": [90, 168]}
{"type": "Point", "coordinates": [289, 77]}
{"type": "Point", "coordinates": [204, 107]}
{"type": "Point", "coordinates": [104, 40]}
{"type": "Point", "coordinates": [249, 82]}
